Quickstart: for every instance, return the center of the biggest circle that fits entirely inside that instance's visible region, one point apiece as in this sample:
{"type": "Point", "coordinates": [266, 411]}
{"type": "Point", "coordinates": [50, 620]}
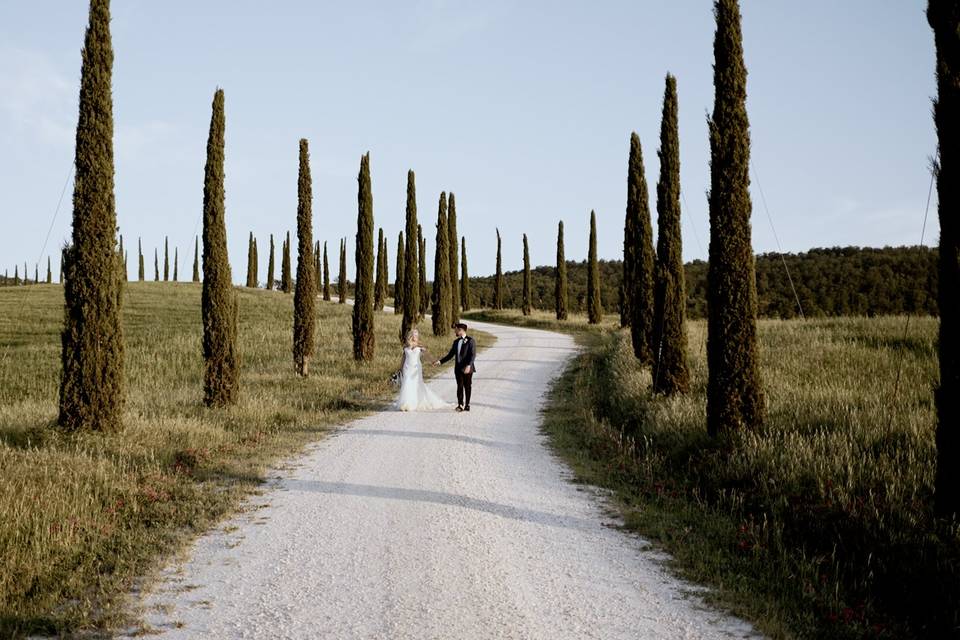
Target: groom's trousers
{"type": "Point", "coordinates": [464, 387]}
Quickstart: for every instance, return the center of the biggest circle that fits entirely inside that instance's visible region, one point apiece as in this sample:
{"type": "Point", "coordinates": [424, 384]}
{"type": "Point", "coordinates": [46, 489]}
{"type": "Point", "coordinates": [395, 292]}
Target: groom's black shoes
{"type": "Point", "coordinates": [466, 408]}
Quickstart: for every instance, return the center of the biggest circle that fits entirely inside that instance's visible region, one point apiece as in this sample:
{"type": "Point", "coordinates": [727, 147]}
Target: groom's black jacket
{"type": "Point", "coordinates": [467, 355]}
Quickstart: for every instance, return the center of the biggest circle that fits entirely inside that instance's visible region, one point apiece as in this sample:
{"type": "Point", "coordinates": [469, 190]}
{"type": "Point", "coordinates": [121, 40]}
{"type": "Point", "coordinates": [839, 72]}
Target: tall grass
{"type": "Point", "coordinates": [818, 525]}
{"type": "Point", "coordinates": [82, 516]}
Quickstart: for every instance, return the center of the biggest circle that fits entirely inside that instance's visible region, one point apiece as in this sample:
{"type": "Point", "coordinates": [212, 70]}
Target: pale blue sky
{"type": "Point", "coordinates": [523, 109]}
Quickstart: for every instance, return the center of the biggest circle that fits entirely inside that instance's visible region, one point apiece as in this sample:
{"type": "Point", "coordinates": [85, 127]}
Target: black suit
{"type": "Point", "coordinates": [464, 357]}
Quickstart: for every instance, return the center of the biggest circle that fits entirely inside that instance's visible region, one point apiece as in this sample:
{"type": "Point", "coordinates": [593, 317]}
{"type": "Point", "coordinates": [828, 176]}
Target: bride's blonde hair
{"type": "Point", "coordinates": [410, 334]}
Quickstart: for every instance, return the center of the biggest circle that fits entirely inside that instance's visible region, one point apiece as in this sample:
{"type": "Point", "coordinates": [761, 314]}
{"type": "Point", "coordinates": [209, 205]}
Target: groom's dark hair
{"type": "Point", "coordinates": [461, 325]}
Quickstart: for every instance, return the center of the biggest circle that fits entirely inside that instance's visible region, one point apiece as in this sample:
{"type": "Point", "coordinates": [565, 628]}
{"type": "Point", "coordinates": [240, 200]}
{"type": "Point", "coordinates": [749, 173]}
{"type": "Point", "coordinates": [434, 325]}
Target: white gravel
{"type": "Point", "coordinates": [433, 525]}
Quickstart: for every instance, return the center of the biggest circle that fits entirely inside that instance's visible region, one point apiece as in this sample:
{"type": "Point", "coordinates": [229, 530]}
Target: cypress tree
{"type": "Point", "coordinates": [464, 276]}
{"type": "Point", "coordinates": [440, 299]}
{"type": "Point", "coordinates": [317, 266]}
{"type": "Point", "coordinates": [166, 259]}
{"type": "Point", "coordinates": [326, 274]}
{"type": "Point", "coordinates": [454, 259]}
{"type": "Point", "coordinates": [526, 277]}
{"type": "Point", "coordinates": [398, 286]}
{"type": "Point", "coordinates": [156, 266]}
{"type": "Point", "coordinates": [342, 280]}
{"type": "Point", "coordinates": [49, 272]}
{"type": "Point", "coordinates": [411, 267]}
{"type": "Point", "coordinates": [36, 274]}
{"type": "Point", "coordinates": [670, 373]}
{"type": "Point", "coordinates": [380, 288]}
{"type": "Point", "coordinates": [63, 260]}
{"type": "Point", "coordinates": [304, 317]}
{"type": "Point", "coordinates": [638, 277]}
{"type": "Point", "coordinates": [594, 308]}
{"type": "Point", "coordinates": [944, 18]}
{"type": "Point", "coordinates": [123, 261]}
{"type": "Point", "coordinates": [250, 262]}
{"type": "Point", "coordinates": [424, 298]}
{"type": "Point", "coordinates": [196, 259]}
{"type": "Point", "coordinates": [25, 272]}
{"type": "Point", "coordinates": [498, 279]}
{"type": "Point", "coordinates": [285, 275]}
{"type": "Point", "coordinates": [560, 291]}
{"type": "Point", "coordinates": [140, 271]}
{"type": "Point", "coordinates": [363, 296]}
{"type": "Point", "coordinates": [221, 357]}
{"type": "Point", "coordinates": [16, 274]}
{"type": "Point", "coordinates": [175, 262]}
{"type": "Point", "coordinates": [92, 379]}
{"type": "Point", "coordinates": [734, 394]}
{"type": "Point", "coordinates": [256, 265]}
{"type": "Point", "coordinates": [270, 261]}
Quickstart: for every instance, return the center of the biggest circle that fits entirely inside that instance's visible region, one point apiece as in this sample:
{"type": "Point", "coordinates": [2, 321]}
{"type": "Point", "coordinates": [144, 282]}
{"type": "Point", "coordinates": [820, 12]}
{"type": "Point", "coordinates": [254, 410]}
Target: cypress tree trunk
{"type": "Point", "coordinates": [221, 357]}
{"type": "Point", "coordinates": [270, 260]}
{"type": "Point", "coordinates": [196, 259]}
{"type": "Point", "coordinates": [175, 262]}
{"type": "Point", "coordinates": [326, 274]}
{"type": "Point", "coordinates": [638, 289]}
{"type": "Point", "coordinates": [380, 288]}
{"type": "Point", "coordinates": [250, 262]}
{"type": "Point", "coordinates": [285, 275]}
{"type": "Point", "coordinates": [411, 266]}
{"type": "Point", "coordinates": [670, 373]}
{"type": "Point", "coordinates": [498, 279]}
{"type": "Point", "coordinates": [440, 299]}
{"type": "Point", "coordinates": [140, 271]}
{"type": "Point", "coordinates": [734, 394]}
{"type": "Point", "coordinates": [422, 286]}
{"type": "Point", "coordinates": [526, 277]}
{"type": "Point", "coordinates": [156, 266]}
{"type": "Point", "coordinates": [304, 315]}
{"type": "Point", "coordinates": [49, 272]}
{"type": "Point", "coordinates": [363, 296]}
{"type": "Point", "coordinates": [464, 276]}
{"type": "Point", "coordinates": [560, 291]}
{"type": "Point", "coordinates": [166, 260]}
{"type": "Point", "coordinates": [399, 286]}
{"type": "Point", "coordinates": [594, 308]}
{"type": "Point", "coordinates": [453, 247]}
{"type": "Point", "coordinates": [342, 280]}
{"type": "Point", "coordinates": [944, 19]}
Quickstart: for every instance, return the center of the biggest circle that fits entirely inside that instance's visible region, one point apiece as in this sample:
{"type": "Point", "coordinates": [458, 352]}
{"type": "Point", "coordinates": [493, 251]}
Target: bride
{"type": "Point", "coordinates": [414, 394]}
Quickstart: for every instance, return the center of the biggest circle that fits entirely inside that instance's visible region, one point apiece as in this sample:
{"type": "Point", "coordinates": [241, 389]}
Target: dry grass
{"type": "Point", "coordinates": [81, 516]}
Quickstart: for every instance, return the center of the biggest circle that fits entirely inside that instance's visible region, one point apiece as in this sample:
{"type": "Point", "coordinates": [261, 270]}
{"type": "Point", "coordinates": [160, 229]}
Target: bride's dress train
{"type": "Point", "coordinates": [414, 393]}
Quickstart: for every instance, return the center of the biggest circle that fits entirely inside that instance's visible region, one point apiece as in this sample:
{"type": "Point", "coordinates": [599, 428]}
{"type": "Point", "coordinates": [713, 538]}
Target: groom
{"type": "Point", "coordinates": [464, 350]}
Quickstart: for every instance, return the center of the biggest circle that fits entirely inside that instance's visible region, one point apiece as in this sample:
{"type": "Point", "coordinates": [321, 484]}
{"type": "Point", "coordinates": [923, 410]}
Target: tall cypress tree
{"type": "Point", "coordinates": [256, 264]}
{"type": "Point", "coordinates": [560, 289]}
{"type": "Point", "coordinates": [638, 289]}
{"type": "Point", "coordinates": [270, 261]}
{"type": "Point", "coordinates": [453, 245]}
{"type": "Point", "coordinates": [285, 276]}
{"type": "Point", "coordinates": [734, 394]}
{"type": "Point", "coordinates": [526, 277]}
{"type": "Point", "coordinates": [342, 280]}
{"type": "Point", "coordinates": [196, 259]}
{"type": "Point", "coordinates": [123, 261]}
{"type": "Point", "coordinates": [156, 266]}
{"type": "Point", "coordinates": [440, 298]}
{"type": "Point", "coordinates": [250, 262]}
{"type": "Point", "coordinates": [317, 266]}
{"type": "Point", "coordinates": [398, 285]}
{"type": "Point", "coordinates": [16, 274]}
{"type": "Point", "coordinates": [36, 274]}
{"type": "Point", "coordinates": [670, 373]}
{"type": "Point", "coordinates": [424, 298]}
{"type": "Point", "coordinates": [411, 267]}
{"type": "Point", "coordinates": [498, 279]}
{"type": "Point", "coordinates": [140, 271]}
{"type": "Point", "coordinates": [380, 288]}
{"type": "Point", "coordinates": [49, 272]}
{"type": "Point", "coordinates": [92, 379]}
{"type": "Point", "coordinates": [221, 357]}
{"type": "Point", "coordinates": [175, 262]}
{"type": "Point", "coordinates": [363, 296]}
{"type": "Point", "coordinates": [944, 19]}
{"type": "Point", "coordinates": [326, 274]}
{"type": "Point", "coordinates": [464, 276]}
{"type": "Point", "coordinates": [304, 317]}
{"type": "Point", "coordinates": [166, 259]}
{"type": "Point", "coordinates": [594, 308]}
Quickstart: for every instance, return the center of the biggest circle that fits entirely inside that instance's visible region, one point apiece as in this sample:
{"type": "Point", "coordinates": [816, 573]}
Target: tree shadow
{"type": "Point", "coordinates": [429, 436]}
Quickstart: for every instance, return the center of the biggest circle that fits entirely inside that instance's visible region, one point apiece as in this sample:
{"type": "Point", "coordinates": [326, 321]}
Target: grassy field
{"type": "Point", "coordinates": [819, 524]}
{"type": "Point", "coordinates": [82, 516]}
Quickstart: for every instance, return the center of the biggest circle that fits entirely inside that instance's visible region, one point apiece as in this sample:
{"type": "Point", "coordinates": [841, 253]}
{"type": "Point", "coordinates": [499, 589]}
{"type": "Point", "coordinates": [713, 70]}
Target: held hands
{"type": "Point", "coordinates": [467, 369]}
{"type": "Point", "coordinates": [436, 363]}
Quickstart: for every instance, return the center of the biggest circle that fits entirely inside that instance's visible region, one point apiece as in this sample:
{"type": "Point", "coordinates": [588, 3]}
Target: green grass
{"type": "Point", "coordinates": [819, 524]}
{"type": "Point", "coordinates": [83, 516]}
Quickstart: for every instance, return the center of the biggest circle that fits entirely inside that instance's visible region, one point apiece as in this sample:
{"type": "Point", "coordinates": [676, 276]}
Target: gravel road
{"type": "Point", "coordinates": [433, 525]}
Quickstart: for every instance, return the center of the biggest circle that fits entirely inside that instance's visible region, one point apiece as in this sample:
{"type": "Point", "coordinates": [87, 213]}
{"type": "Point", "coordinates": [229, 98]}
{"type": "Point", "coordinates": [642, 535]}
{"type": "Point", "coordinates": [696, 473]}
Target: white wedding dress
{"type": "Point", "coordinates": [414, 393]}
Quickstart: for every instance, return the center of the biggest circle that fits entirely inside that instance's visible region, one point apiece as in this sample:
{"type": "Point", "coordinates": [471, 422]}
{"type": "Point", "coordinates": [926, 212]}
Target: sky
{"type": "Point", "coordinates": [523, 109]}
